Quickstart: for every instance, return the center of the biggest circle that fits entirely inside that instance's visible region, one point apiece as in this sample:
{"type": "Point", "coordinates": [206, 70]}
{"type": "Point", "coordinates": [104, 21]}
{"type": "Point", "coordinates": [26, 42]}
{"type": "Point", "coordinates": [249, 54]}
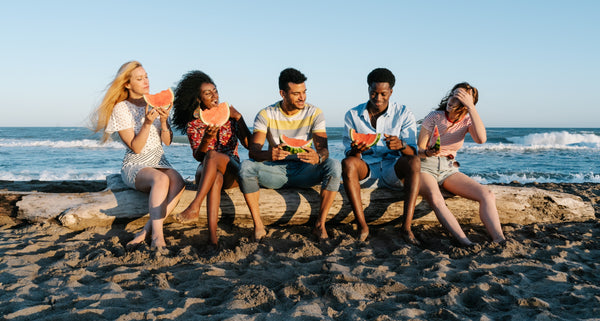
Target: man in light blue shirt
{"type": "Point", "coordinates": [392, 162]}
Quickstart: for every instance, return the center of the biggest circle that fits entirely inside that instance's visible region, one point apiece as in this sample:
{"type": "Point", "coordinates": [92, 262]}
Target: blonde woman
{"type": "Point", "coordinates": [455, 116]}
{"type": "Point", "coordinates": [143, 130]}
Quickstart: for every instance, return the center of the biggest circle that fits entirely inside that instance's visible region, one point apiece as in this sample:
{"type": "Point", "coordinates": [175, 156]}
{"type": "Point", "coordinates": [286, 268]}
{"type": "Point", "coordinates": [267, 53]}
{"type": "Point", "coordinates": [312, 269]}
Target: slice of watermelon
{"type": "Point", "coordinates": [434, 140]}
{"type": "Point", "coordinates": [294, 145]}
{"type": "Point", "coordinates": [216, 116]}
{"type": "Point", "coordinates": [163, 99]}
{"type": "Point", "coordinates": [367, 139]}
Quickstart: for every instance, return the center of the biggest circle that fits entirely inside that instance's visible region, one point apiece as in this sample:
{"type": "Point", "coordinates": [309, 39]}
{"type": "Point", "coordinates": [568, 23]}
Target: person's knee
{"type": "Point", "coordinates": [488, 195]}
{"type": "Point", "coordinates": [248, 177]}
{"type": "Point", "coordinates": [248, 169]}
{"type": "Point", "coordinates": [332, 167]}
{"type": "Point", "coordinates": [211, 155]}
{"type": "Point", "coordinates": [350, 166]}
{"type": "Point", "coordinates": [161, 181]}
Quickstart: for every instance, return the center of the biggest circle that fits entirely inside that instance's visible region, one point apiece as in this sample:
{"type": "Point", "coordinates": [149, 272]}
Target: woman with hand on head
{"type": "Point", "coordinates": [143, 130]}
{"type": "Point", "coordinates": [456, 115]}
{"type": "Point", "coordinates": [215, 147]}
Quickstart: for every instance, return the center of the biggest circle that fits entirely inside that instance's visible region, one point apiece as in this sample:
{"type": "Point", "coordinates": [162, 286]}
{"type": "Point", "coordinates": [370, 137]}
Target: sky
{"type": "Point", "coordinates": [535, 63]}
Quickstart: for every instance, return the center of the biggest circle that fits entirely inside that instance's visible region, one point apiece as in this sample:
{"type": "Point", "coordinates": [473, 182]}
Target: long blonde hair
{"type": "Point", "coordinates": [115, 93]}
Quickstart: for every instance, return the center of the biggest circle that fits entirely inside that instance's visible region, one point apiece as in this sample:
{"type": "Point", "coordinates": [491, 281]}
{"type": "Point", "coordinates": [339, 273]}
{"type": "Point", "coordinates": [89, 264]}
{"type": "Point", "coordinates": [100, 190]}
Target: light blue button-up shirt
{"type": "Point", "coordinates": [398, 120]}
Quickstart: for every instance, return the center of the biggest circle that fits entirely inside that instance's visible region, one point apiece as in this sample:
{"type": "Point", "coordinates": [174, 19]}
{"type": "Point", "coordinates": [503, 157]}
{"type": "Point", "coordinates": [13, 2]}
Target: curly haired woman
{"type": "Point", "coordinates": [215, 147]}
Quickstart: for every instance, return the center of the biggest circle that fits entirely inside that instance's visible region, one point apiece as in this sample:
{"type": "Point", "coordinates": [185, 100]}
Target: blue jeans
{"type": "Point", "coordinates": [280, 174]}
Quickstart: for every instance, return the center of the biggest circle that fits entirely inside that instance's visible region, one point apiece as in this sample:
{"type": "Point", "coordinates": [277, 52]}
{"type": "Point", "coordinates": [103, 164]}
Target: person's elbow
{"type": "Point", "coordinates": [481, 140]}
{"type": "Point", "coordinates": [137, 150]}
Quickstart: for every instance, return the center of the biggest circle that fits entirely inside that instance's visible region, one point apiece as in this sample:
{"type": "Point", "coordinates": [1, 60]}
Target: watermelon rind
{"type": "Point", "coordinates": [220, 121]}
{"type": "Point", "coordinates": [353, 138]}
{"type": "Point", "coordinates": [151, 99]}
{"type": "Point", "coordinates": [435, 141]}
{"type": "Point", "coordinates": [294, 149]}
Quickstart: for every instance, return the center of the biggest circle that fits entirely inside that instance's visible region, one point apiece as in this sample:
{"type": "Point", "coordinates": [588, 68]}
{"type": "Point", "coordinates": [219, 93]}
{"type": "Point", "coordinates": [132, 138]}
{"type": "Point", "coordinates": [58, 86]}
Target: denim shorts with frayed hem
{"type": "Point", "coordinates": [439, 167]}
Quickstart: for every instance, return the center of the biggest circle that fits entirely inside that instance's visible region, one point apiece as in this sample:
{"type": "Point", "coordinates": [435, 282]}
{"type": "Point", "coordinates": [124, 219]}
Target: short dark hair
{"type": "Point", "coordinates": [290, 75]}
{"type": "Point", "coordinates": [381, 75]}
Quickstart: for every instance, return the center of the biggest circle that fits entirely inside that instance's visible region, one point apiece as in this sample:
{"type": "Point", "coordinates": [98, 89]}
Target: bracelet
{"type": "Point", "coordinates": [425, 152]}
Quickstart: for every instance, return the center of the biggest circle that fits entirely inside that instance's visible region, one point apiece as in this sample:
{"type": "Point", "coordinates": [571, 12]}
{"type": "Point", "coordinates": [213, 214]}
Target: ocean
{"type": "Point", "coordinates": [543, 155]}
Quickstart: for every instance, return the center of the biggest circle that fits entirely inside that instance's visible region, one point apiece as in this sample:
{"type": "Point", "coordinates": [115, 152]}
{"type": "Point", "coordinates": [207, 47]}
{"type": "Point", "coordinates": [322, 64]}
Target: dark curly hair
{"type": "Point", "coordinates": [381, 75]}
{"type": "Point", "coordinates": [290, 75]}
{"type": "Point", "coordinates": [465, 85]}
{"type": "Point", "coordinates": [187, 96]}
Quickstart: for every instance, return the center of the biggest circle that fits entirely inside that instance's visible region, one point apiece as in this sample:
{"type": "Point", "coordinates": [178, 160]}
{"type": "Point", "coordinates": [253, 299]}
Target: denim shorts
{"type": "Point", "coordinates": [278, 174]}
{"type": "Point", "coordinates": [382, 174]}
{"type": "Point", "coordinates": [439, 167]}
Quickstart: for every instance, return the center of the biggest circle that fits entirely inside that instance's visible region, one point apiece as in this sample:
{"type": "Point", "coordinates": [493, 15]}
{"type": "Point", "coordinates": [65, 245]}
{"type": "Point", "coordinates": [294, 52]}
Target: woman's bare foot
{"type": "Point", "coordinates": [320, 232]}
{"type": "Point", "coordinates": [139, 238]}
{"type": "Point", "coordinates": [465, 242]}
{"type": "Point", "coordinates": [189, 215]}
{"type": "Point", "coordinates": [259, 234]}
{"type": "Point", "coordinates": [159, 245]}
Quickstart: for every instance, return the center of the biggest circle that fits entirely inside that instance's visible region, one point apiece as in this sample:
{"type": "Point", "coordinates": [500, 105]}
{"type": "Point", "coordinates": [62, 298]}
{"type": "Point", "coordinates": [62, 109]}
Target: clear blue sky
{"type": "Point", "coordinates": [536, 63]}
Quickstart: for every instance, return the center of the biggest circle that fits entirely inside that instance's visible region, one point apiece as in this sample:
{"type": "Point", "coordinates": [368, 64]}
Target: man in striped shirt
{"type": "Point", "coordinates": [276, 167]}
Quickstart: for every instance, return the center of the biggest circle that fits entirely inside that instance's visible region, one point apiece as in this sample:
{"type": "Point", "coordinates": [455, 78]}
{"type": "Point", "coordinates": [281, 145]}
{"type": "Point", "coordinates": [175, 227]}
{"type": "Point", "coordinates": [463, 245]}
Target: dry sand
{"type": "Point", "coordinates": [544, 272]}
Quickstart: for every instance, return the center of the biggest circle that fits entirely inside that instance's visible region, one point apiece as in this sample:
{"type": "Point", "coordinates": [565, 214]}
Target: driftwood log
{"type": "Point", "coordinates": [298, 206]}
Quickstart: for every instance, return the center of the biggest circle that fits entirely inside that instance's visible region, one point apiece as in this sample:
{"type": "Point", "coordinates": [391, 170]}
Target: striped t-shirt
{"type": "Point", "coordinates": [272, 121]}
{"type": "Point", "coordinates": [452, 135]}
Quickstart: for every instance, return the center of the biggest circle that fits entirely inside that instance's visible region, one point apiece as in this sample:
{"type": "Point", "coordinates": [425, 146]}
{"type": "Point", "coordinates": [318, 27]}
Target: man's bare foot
{"type": "Point", "coordinates": [409, 237]}
{"type": "Point", "coordinates": [139, 238]}
{"type": "Point", "coordinates": [188, 216]}
{"type": "Point", "coordinates": [259, 234]}
{"type": "Point", "coordinates": [320, 232]}
{"type": "Point", "coordinates": [465, 242]}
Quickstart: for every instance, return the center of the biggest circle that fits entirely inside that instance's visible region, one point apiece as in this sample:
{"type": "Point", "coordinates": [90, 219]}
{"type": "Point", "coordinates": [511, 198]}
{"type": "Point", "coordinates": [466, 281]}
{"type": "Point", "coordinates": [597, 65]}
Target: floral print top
{"type": "Point", "coordinates": [225, 142]}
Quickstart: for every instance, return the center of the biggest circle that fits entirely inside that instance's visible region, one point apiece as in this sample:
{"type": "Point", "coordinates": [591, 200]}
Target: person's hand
{"type": "Point", "coordinates": [151, 115]}
{"type": "Point", "coordinates": [393, 142]}
{"type": "Point", "coordinates": [309, 156]}
{"type": "Point", "coordinates": [358, 148]}
{"type": "Point", "coordinates": [465, 97]}
{"type": "Point", "coordinates": [163, 113]}
{"type": "Point", "coordinates": [211, 131]}
{"type": "Point", "coordinates": [278, 153]}
{"type": "Point", "coordinates": [234, 114]}
{"type": "Point", "coordinates": [432, 152]}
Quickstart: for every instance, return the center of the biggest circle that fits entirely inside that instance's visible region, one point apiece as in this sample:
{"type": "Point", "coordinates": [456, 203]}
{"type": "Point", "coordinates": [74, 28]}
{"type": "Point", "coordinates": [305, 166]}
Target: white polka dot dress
{"type": "Point", "coordinates": [127, 115]}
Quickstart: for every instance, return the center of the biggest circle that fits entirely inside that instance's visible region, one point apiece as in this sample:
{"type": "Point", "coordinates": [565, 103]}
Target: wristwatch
{"type": "Point", "coordinates": [403, 145]}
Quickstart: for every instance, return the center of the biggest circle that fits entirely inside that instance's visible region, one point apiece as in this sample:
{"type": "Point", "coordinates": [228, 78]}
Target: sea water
{"type": "Point", "coordinates": [510, 154]}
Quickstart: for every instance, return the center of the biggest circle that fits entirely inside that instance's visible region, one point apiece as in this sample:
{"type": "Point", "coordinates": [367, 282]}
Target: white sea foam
{"type": "Point", "coordinates": [83, 143]}
{"type": "Point", "coordinates": [541, 142]}
{"type": "Point", "coordinates": [562, 138]}
{"type": "Point", "coordinates": [544, 178]}
{"type": "Point", "coordinates": [46, 175]}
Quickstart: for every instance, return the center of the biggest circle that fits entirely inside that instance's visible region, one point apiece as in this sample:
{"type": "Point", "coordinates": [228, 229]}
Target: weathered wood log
{"type": "Point", "coordinates": [299, 206]}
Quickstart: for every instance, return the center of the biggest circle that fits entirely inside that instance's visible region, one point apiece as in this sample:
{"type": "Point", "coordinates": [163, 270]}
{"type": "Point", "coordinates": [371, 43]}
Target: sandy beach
{"type": "Point", "coordinates": [544, 272]}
